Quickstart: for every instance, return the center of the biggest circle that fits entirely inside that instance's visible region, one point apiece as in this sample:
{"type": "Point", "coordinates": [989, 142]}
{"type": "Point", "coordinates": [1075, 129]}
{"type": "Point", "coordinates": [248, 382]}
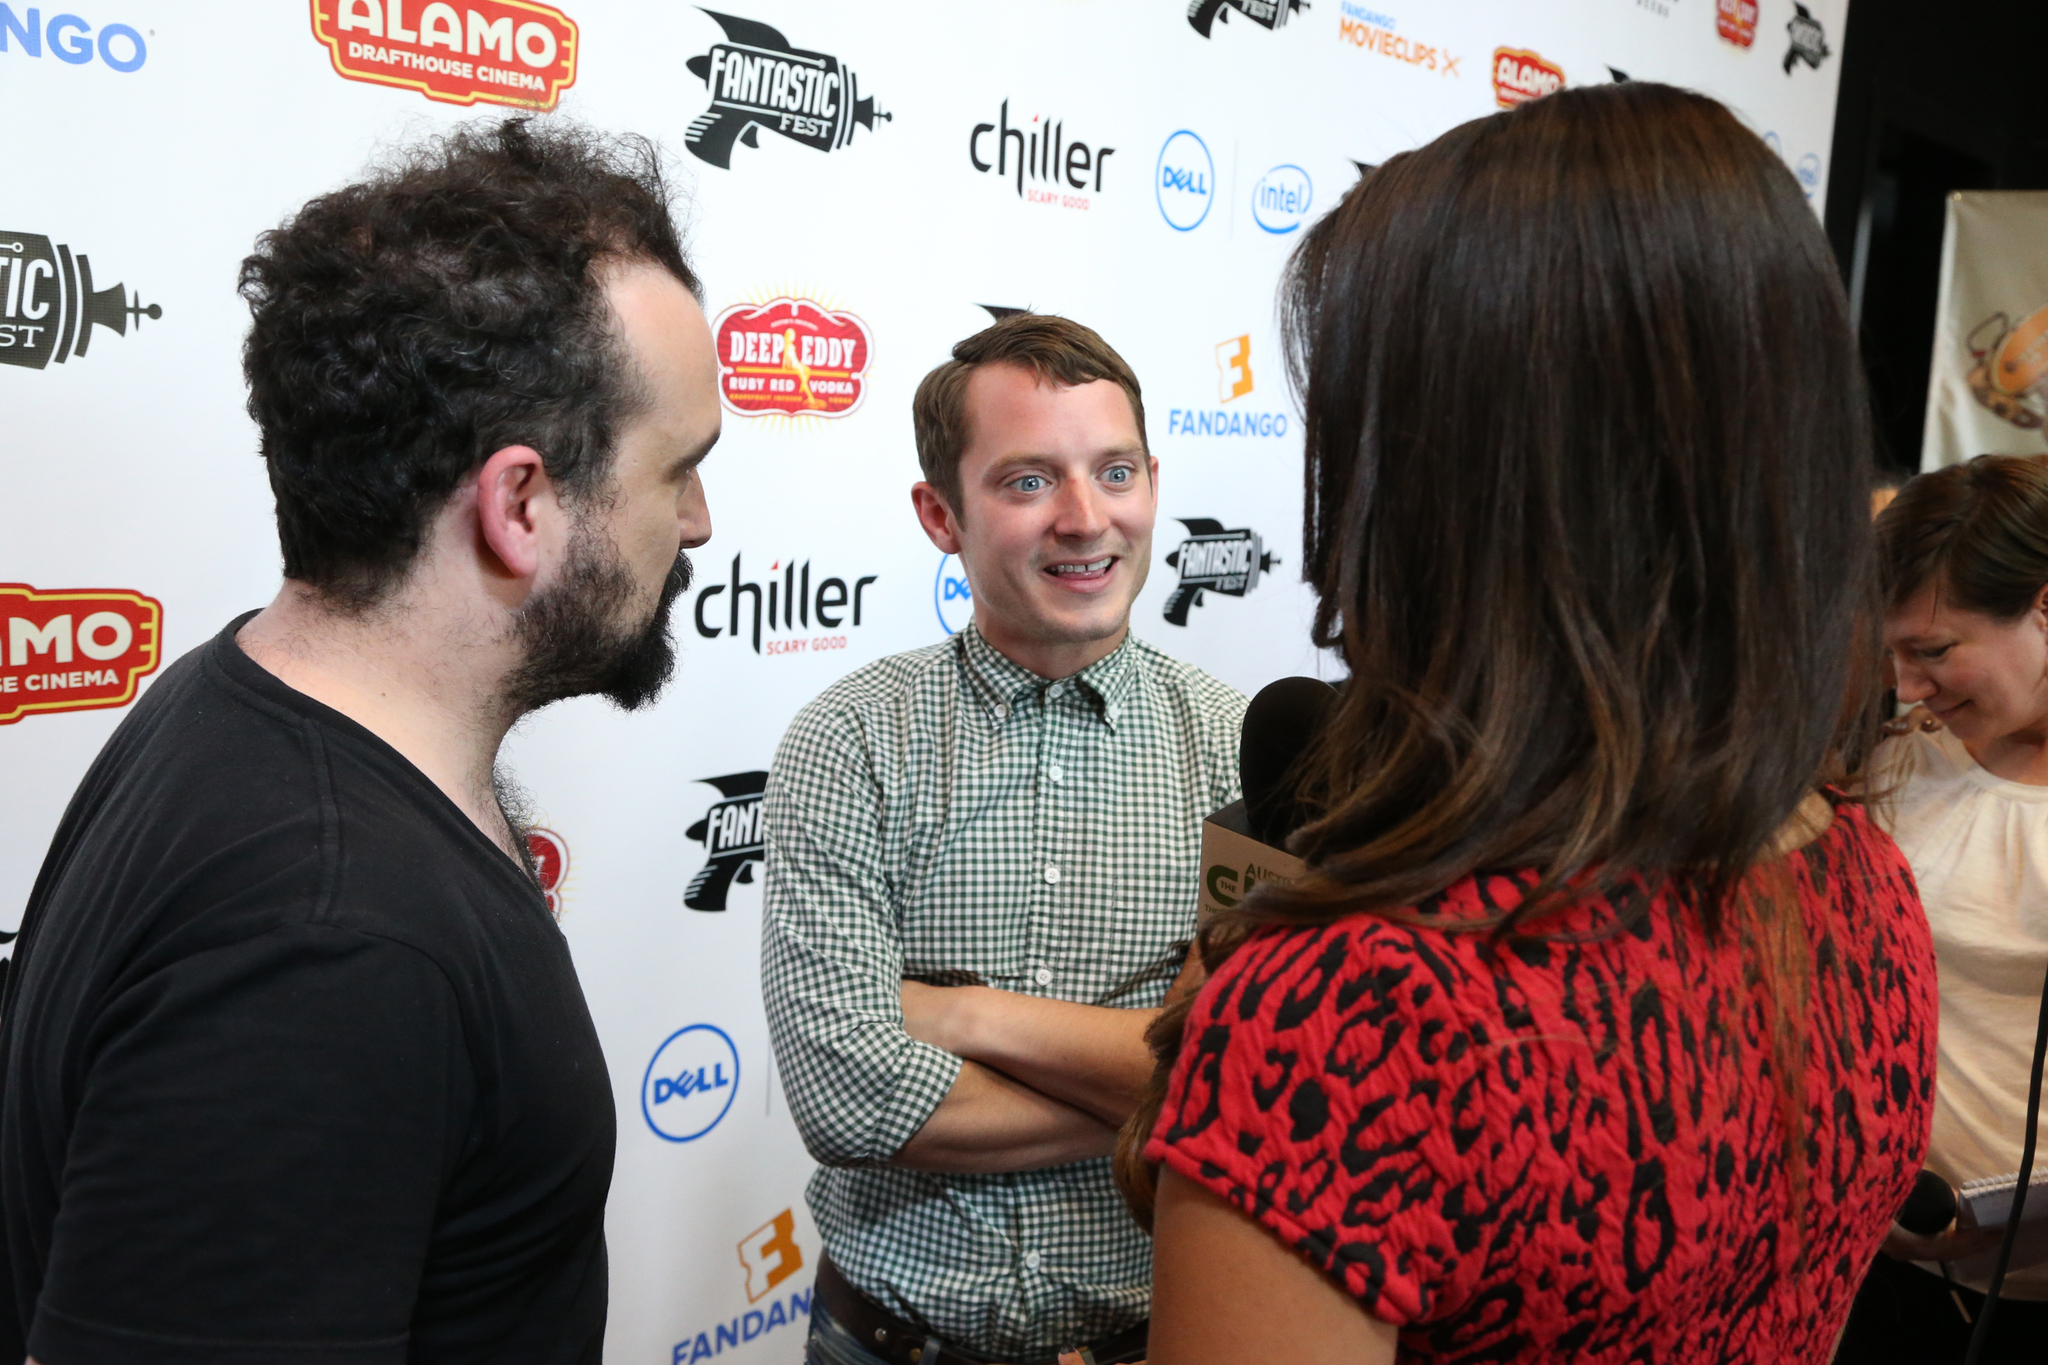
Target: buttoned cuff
{"type": "Point", "coordinates": [923, 1076]}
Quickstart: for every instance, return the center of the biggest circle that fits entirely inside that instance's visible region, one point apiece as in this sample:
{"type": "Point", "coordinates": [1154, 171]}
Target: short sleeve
{"type": "Point", "coordinates": [1332, 1088]}
{"type": "Point", "coordinates": [262, 1134]}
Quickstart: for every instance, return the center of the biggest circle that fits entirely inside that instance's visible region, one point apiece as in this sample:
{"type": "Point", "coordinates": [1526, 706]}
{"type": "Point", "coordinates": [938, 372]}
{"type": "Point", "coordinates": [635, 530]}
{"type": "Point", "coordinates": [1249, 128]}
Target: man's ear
{"type": "Point", "coordinates": [938, 519]}
{"type": "Point", "coordinates": [513, 497]}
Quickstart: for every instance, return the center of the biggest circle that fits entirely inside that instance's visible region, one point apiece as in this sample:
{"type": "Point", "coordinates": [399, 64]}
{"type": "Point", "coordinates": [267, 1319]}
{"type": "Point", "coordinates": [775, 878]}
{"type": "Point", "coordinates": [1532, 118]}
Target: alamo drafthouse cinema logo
{"type": "Point", "coordinates": [48, 306]}
{"type": "Point", "coordinates": [1213, 559]}
{"type": "Point", "coordinates": [516, 52]}
{"type": "Point", "coordinates": [757, 80]}
{"type": "Point", "coordinates": [733, 838]}
{"type": "Point", "coordinates": [1202, 14]}
{"type": "Point", "coordinates": [74, 650]}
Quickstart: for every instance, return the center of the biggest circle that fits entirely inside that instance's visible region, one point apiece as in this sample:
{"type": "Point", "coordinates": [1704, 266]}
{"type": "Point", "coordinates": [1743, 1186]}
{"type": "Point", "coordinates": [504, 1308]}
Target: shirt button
{"type": "Point", "coordinates": [1056, 773]}
{"type": "Point", "coordinates": [1042, 976]}
{"type": "Point", "coordinates": [1031, 1260]}
{"type": "Point", "coordinates": [1002, 712]}
{"type": "Point", "coordinates": [1052, 874]}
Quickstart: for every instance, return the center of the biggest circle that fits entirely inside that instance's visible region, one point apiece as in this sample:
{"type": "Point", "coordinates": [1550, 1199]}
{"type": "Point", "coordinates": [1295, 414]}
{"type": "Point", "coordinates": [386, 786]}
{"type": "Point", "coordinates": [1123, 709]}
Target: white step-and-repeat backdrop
{"type": "Point", "coordinates": [879, 176]}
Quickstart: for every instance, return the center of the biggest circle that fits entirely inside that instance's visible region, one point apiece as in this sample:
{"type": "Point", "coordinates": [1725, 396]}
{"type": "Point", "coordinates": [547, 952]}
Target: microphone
{"type": "Point", "coordinates": [1930, 1208]}
{"type": "Point", "coordinates": [1279, 725]}
{"type": "Point", "coordinates": [1244, 843]}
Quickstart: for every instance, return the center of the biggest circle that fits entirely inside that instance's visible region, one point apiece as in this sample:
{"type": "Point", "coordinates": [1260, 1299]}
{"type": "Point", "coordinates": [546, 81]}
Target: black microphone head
{"type": "Point", "coordinates": [1931, 1206]}
{"type": "Point", "coordinates": [1279, 725]}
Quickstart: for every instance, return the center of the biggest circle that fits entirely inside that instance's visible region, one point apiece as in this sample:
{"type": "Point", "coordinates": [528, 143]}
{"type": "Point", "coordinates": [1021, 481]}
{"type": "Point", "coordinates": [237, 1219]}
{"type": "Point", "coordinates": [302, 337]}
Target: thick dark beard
{"type": "Point", "coordinates": [574, 646]}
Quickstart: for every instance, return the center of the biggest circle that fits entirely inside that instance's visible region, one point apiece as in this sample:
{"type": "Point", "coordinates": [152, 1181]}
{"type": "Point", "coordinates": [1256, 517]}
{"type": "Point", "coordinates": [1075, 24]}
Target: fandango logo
{"type": "Point", "coordinates": [1219, 422]}
{"type": "Point", "coordinates": [792, 602]}
{"type": "Point", "coordinates": [71, 39]}
{"type": "Point", "coordinates": [1281, 199]}
{"type": "Point", "coordinates": [748, 1326]}
{"type": "Point", "coordinates": [1184, 181]}
{"type": "Point", "coordinates": [515, 52]}
{"type": "Point", "coordinates": [690, 1083]}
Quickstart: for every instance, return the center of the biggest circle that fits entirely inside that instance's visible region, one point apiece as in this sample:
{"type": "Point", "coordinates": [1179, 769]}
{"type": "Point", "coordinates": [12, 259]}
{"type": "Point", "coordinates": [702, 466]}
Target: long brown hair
{"type": "Point", "coordinates": [1587, 515]}
{"type": "Point", "coordinates": [1978, 530]}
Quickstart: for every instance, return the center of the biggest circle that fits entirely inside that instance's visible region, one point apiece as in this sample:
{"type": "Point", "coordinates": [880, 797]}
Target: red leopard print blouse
{"type": "Point", "coordinates": [1570, 1151]}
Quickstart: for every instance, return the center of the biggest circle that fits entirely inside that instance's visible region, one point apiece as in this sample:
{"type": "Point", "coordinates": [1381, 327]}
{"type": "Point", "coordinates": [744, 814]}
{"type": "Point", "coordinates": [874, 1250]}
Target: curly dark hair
{"type": "Point", "coordinates": [448, 306]}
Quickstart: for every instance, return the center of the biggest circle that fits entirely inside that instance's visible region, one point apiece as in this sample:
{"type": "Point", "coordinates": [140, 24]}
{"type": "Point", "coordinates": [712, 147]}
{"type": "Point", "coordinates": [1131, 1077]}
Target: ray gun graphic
{"type": "Point", "coordinates": [1265, 13]}
{"type": "Point", "coordinates": [48, 306]}
{"type": "Point", "coordinates": [757, 80]}
{"type": "Point", "coordinates": [1212, 559]}
{"type": "Point", "coordinates": [733, 836]}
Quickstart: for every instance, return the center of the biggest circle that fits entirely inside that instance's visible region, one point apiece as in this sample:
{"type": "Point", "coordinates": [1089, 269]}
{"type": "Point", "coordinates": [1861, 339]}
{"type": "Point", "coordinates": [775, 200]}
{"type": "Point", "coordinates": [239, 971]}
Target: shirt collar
{"type": "Point", "coordinates": [1002, 685]}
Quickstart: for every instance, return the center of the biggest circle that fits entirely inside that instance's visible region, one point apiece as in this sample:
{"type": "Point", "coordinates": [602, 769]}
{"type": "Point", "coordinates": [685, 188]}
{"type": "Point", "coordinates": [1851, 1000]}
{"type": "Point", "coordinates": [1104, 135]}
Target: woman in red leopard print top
{"type": "Point", "coordinates": [1601, 1028]}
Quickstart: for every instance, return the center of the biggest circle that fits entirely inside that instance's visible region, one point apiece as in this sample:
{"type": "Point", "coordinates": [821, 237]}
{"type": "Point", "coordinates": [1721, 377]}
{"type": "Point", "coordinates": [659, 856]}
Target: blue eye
{"type": "Point", "coordinates": [1120, 474]}
{"type": "Point", "coordinates": [1030, 483]}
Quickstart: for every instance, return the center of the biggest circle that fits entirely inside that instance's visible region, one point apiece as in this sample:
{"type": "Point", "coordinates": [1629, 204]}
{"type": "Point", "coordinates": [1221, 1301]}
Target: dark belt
{"type": "Point", "coordinates": [904, 1343]}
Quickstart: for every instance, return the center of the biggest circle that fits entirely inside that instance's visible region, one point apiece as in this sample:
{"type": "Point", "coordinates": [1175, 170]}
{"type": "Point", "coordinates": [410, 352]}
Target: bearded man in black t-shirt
{"type": "Point", "coordinates": [294, 1064]}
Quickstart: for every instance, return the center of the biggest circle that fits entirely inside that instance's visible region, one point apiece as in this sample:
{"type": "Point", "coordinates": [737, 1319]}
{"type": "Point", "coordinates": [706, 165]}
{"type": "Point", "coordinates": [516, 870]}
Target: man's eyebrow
{"type": "Point", "coordinates": [696, 457]}
{"type": "Point", "coordinates": [1005, 463]}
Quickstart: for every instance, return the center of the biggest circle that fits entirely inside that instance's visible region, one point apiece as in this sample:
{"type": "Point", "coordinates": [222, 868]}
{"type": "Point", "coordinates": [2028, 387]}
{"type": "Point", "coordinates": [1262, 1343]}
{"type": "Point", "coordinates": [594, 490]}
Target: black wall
{"type": "Point", "coordinates": [1935, 97]}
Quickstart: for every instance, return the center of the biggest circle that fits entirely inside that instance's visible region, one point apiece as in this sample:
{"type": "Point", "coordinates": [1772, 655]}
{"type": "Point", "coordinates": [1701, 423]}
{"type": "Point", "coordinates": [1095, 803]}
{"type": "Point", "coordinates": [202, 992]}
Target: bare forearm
{"type": "Point", "coordinates": [1086, 1056]}
{"type": "Point", "coordinates": [990, 1122]}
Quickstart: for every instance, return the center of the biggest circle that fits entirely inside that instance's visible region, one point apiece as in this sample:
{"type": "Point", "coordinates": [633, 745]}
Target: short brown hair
{"type": "Point", "coordinates": [1978, 530]}
{"type": "Point", "coordinates": [1055, 349]}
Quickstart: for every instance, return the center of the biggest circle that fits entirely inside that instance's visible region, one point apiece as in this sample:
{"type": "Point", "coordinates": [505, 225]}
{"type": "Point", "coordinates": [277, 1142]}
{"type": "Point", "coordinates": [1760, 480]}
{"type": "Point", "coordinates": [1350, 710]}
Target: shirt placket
{"type": "Point", "coordinates": [1051, 840]}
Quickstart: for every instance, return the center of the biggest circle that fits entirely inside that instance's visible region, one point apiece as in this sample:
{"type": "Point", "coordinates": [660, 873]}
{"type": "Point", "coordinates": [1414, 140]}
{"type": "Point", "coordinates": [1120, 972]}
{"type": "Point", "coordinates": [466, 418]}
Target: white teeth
{"type": "Point", "coordinates": [1098, 566]}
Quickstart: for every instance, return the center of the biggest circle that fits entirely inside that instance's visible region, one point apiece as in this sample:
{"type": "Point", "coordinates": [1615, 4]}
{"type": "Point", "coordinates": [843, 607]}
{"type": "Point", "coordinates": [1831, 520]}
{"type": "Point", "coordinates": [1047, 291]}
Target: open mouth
{"type": "Point", "coordinates": [1082, 573]}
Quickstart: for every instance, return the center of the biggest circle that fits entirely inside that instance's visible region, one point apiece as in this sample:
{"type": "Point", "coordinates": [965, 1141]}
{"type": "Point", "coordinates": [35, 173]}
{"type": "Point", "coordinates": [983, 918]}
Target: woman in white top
{"type": "Point", "coordinates": [1964, 789]}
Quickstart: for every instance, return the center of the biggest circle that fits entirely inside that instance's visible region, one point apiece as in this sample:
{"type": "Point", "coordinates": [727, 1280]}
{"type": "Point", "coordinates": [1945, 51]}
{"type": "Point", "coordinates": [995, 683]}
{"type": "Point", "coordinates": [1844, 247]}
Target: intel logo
{"type": "Point", "coordinates": [690, 1083]}
{"type": "Point", "coordinates": [1184, 181]}
{"type": "Point", "coordinates": [1281, 199]}
{"type": "Point", "coordinates": [951, 597]}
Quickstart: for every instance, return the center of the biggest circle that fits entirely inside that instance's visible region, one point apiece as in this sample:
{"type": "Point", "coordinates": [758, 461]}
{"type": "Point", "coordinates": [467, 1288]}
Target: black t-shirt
{"type": "Point", "coordinates": [294, 1063]}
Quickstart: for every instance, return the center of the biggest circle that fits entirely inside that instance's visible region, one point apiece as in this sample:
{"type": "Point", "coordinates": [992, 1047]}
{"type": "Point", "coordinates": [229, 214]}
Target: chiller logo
{"type": "Point", "coordinates": [1281, 199]}
{"type": "Point", "coordinates": [1809, 42]}
{"type": "Point", "coordinates": [515, 52]}
{"type": "Point", "coordinates": [1184, 181]}
{"type": "Point", "coordinates": [734, 839]}
{"type": "Point", "coordinates": [48, 306]}
{"type": "Point", "coordinates": [1265, 13]}
{"type": "Point", "coordinates": [690, 1083]}
{"type": "Point", "coordinates": [757, 80]}
{"type": "Point", "coordinates": [1374, 32]}
{"type": "Point", "coordinates": [770, 1254]}
{"type": "Point", "coordinates": [74, 650]}
{"type": "Point", "coordinates": [1520, 75]}
{"type": "Point", "coordinates": [1213, 559]}
{"type": "Point", "coordinates": [792, 603]}
{"type": "Point", "coordinates": [71, 40]}
{"type": "Point", "coordinates": [791, 357]}
{"type": "Point", "coordinates": [1735, 21]}
{"type": "Point", "coordinates": [952, 598]}
{"type": "Point", "coordinates": [550, 854]}
{"type": "Point", "coordinates": [2009, 370]}
{"type": "Point", "coordinates": [1043, 153]}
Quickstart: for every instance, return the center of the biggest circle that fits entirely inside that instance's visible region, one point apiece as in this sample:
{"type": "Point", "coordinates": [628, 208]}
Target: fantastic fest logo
{"type": "Point", "coordinates": [1735, 21]}
{"type": "Point", "coordinates": [74, 650]}
{"type": "Point", "coordinates": [515, 52]}
{"type": "Point", "coordinates": [1520, 75]}
{"type": "Point", "coordinates": [770, 1254]}
{"type": "Point", "coordinates": [48, 306]}
{"type": "Point", "coordinates": [757, 80]}
{"type": "Point", "coordinates": [550, 854]}
{"type": "Point", "coordinates": [734, 837]}
{"type": "Point", "coordinates": [1269, 14]}
{"type": "Point", "coordinates": [1214, 559]}
{"type": "Point", "coordinates": [791, 357]}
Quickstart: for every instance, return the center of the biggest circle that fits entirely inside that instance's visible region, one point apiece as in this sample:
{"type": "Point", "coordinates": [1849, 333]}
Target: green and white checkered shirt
{"type": "Point", "coordinates": [947, 815]}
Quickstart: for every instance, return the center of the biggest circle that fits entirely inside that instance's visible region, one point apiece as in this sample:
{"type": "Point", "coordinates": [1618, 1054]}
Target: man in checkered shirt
{"type": "Point", "coordinates": [981, 878]}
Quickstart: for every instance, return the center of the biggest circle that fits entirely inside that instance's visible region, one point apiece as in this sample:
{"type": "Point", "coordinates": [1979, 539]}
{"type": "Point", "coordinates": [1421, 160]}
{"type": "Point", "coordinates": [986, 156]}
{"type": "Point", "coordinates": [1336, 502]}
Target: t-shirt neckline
{"type": "Point", "coordinates": [1966, 763]}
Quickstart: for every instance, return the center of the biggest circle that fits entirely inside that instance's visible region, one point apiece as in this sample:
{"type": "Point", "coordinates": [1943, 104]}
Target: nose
{"type": "Point", "coordinates": [694, 517]}
{"type": "Point", "coordinates": [1080, 513]}
{"type": "Point", "coordinates": [1913, 683]}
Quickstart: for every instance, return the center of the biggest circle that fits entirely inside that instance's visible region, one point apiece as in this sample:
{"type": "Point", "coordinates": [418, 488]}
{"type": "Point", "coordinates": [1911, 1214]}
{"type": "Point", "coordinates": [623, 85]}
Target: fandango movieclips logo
{"type": "Point", "coordinates": [754, 1323]}
{"type": "Point", "coordinates": [690, 1083]}
{"type": "Point", "coordinates": [48, 306]}
{"type": "Point", "coordinates": [793, 601]}
{"type": "Point", "coordinates": [1281, 199]}
{"type": "Point", "coordinates": [1223, 422]}
{"type": "Point", "coordinates": [1184, 181]}
{"type": "Point", "coordinates": [71, 39]}
{"type": "Point", "coordinates": [735, 837]}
